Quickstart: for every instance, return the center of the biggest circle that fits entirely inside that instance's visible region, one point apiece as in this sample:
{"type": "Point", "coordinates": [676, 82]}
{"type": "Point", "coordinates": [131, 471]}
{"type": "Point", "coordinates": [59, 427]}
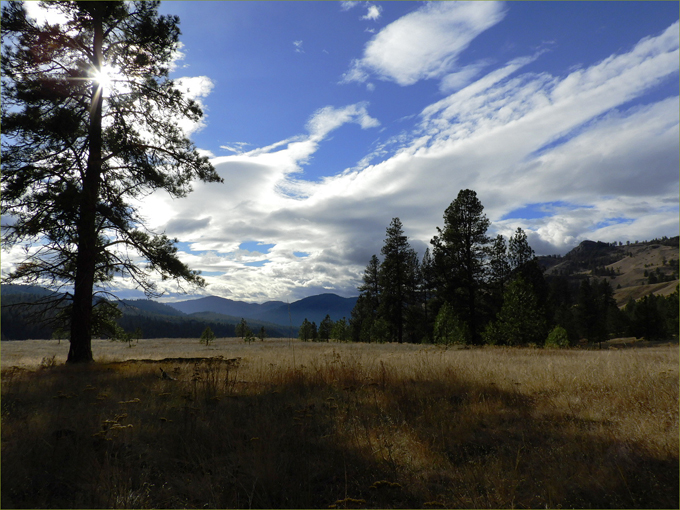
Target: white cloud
{"type": "Point", "coordinates": [346, 6]}
{"type": "Point", "coordinates": [328, 118]}
{"type": "Point", "coordinates": [236, 147]}
{"type": "Point", "coordinates": [52, 16]}
{"type": "Point", "coordinates": [177, 56]}
{"type": "Point", "coordinates": [195, 88]}
{"type": "Point", "coordinates": [298, 47]}
{"type": "Point", "coordinates": [425, 43]}
{"type": "Point", "coordinates": [458, 79]}
{"type": "Point", "coordinates": [373, 13]}
{"type": "Point", "coordinates": [513, 139]}
{"type": "Point", "coordinates": [609, 170]}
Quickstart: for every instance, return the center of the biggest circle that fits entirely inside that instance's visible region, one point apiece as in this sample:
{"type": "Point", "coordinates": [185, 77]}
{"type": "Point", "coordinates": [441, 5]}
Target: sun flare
{"type": "Point", "coordinates": [106, 76]}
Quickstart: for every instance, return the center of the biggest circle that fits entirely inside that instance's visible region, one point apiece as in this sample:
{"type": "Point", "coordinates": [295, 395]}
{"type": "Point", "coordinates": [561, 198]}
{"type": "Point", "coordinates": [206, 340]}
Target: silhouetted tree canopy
{"type": "Point", "coordinates": [79, 148]}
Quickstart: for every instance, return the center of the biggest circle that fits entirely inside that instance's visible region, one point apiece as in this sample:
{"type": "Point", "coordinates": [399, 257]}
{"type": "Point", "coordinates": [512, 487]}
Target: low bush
{"type": "Point", "coordinates": [558, 338]}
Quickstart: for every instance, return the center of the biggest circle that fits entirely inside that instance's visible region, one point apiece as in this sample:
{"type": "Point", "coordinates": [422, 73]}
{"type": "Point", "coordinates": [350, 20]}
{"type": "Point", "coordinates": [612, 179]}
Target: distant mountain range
{"type": "Point", "coordinates": [313, 308]}
{"type": "Point", "coordinates": [184, 319]}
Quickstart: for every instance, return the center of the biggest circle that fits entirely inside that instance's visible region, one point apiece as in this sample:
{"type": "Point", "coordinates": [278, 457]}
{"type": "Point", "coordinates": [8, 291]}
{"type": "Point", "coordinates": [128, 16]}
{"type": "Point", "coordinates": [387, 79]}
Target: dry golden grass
{"type": "Point", "coordinates": [291, 425]}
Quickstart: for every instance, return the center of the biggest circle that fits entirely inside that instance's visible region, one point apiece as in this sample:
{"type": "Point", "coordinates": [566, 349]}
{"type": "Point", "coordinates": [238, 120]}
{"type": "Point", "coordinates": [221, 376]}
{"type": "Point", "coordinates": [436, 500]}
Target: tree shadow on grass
{"type": "Point", "coordinates": [108, 437]}
{"type": "Point", "coordinates": [119, 436]}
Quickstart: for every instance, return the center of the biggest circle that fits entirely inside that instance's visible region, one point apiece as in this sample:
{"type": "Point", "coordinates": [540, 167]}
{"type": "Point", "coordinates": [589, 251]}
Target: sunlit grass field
{"type": "Point", "coordinates": [281, 424]}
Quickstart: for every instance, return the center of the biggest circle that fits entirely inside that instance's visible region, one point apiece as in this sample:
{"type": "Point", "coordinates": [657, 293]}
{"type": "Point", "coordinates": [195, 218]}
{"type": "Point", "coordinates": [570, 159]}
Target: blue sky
{"type": "Point", "coordinates": [328, 119]}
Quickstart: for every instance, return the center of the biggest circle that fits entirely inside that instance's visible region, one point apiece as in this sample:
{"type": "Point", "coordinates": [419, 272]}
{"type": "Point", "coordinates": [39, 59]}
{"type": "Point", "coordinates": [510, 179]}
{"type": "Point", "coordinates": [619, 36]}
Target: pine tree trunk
{"type": "Point", "coordinates": [81, 316]}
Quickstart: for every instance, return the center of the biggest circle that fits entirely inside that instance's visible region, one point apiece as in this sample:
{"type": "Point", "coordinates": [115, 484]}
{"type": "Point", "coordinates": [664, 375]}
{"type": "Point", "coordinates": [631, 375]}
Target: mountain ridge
{"type": "Point", "coordinates": [313, 308]}
{"type": "Point", "coordinates": [634, 270]}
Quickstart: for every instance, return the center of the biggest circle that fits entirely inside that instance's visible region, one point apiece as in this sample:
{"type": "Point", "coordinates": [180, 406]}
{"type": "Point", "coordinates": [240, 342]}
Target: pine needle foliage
{"type": "Point", "coordinates": [90, 126]}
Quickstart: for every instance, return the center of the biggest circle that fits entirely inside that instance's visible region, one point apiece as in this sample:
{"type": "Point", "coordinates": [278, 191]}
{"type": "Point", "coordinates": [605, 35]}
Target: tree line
{"type": "Point", "coordinates": [474, 289]}
{"type": "Point", "coordinates": [327, 329]}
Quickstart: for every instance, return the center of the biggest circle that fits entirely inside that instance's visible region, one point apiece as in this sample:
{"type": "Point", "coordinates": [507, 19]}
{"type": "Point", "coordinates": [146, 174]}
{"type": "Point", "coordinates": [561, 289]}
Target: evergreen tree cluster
{"type": "Point", "coordinates": [325, 331]}
{"type": "Point", "coordinates": [474, 289]}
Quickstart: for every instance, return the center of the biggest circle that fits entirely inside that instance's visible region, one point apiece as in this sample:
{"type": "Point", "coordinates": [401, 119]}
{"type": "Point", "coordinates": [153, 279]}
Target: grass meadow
{"type": "Point", "coordinates": [280, 424]}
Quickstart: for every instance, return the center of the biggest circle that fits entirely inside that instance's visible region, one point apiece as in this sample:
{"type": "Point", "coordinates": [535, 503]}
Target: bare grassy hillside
{"type": "Point", "coordinates": [634, 284]}
{"type": "Point", "coordinates": [291, 425]}
{"type": "Point", "coordinates": [627, 266]}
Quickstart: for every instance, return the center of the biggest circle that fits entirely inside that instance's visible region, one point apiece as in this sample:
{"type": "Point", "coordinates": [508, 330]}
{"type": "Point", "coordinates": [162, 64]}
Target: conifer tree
{"type": "Point", "coordinates": [460, 254]}
{"type": "Point", "coordinates": [340, 330]}
{"type": "Point", "coordinates": [371, 286]}
{"type": "Point", "coordinates": [242, 329]}
{"type": "Point", "coordinates": [521, 319]}
{"type": "Point", "coordinates": [519, 251]}
{"type": "Point", "coordinates": [427, 293]}
{"type": "Point", "coordinates": [499, 263]}
{"type": "Point", "coordinates": [305, 333]}
{"type": "Point", "coordinates": [366, 308]}
{"type": "Point", "coordinates": [325, 328]}
{"type": "Point", "coordinates": [414, 315]}
{"type": "Point", "coordinates": [207, 337]}
{"type": "Point", "coordinates": [89, 126]}
{"type": "Point", "coordinates": [398, 278]}
{"type": "Point", "coordinates": [499, 272]}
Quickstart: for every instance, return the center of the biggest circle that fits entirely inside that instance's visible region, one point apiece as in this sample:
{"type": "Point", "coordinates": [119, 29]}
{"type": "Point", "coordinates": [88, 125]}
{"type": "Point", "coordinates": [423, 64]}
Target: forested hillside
{"type": "Point", "coordinates": [634, 270]}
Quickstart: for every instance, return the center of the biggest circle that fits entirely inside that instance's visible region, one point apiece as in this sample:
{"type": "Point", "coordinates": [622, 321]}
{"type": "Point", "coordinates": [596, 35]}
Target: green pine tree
{"type": "Point", "coordinates": [398, 279]}
{"type": "Point", "coordinates": [305, 331]}
{"type": "Point", "coordinates": [207, 337]}
{"type": "Point", "coordinates": [325, 328]}
{"type": "Point", "coordinates": [521, 320]}
{"type": "Point", "coordinates": [460, 252]}
{"type": "Point", "coordinates": [78, 149]}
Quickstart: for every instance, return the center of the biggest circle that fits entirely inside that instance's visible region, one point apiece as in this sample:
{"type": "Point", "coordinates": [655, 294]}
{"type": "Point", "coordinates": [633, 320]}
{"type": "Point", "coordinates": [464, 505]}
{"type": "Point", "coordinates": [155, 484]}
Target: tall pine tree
{"type": "Point", "coordinates": [398, 279]}
{"type": "Point", "coordinates": [427, 293]}
{"type": "Point", "coordinates": [89, 126]}
{"type": "Point", "coordinates": [519, 251]}
{"type": "Point", "coordinates": [499, 273]}
{"type": "Point", "coordinates": [459, 256]}
{"type": "Point", "coordinates": [365, 310]}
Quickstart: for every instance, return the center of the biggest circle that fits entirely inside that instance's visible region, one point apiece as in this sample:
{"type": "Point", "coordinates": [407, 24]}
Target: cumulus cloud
{"type": "Point", "coordinates": [195, 88]}
{"type": "Point", "coordinates": [373, 13]}
{"type": "Point", "coordinates": [425, 43]}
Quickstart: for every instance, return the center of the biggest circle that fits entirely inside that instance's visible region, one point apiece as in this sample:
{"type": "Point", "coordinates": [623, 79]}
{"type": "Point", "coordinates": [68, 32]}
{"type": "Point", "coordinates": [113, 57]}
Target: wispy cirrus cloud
{"type": "Point", "coordinates": [350, 4]}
